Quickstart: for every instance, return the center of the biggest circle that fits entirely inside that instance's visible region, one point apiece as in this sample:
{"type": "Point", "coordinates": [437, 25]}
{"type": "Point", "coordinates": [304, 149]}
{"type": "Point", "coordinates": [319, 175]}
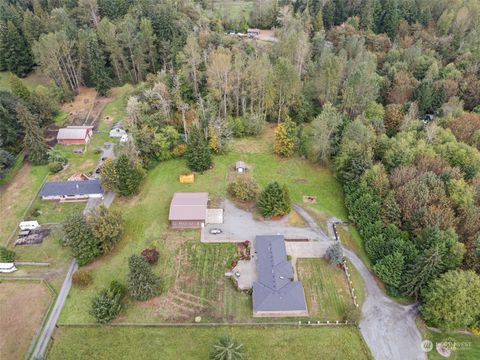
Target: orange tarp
{"type": "Point", "coordinates": [184, 179]}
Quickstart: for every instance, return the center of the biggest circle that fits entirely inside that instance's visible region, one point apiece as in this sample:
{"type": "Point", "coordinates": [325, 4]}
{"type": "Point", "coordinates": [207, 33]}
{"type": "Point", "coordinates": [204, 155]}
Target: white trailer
{"type": "Point", "coordinates": [28, 225]}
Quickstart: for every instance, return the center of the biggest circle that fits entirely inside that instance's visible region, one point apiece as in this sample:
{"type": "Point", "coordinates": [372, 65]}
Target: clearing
{"type": "Point", "coordinates": [196, 342]}
{"type": "Point", "coordinates": [22, 307]}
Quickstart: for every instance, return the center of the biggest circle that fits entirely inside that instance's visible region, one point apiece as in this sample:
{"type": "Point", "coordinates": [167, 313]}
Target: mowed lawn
{"type": "Point", "coordinates": [326, 289]}
{"type": "Point", "coordinates": [22, 307]}
{"type": "Point", "coordinates": [467, 346]}
{"type": "Point", "coordinates": [185, 343]}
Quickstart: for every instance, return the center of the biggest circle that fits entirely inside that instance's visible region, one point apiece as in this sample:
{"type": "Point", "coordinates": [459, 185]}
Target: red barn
{"type": "Point", "coordinates": [75, 135]}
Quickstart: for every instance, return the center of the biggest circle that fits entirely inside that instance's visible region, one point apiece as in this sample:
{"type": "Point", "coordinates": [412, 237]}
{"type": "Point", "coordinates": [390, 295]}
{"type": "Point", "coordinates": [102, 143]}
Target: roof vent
{"type": "Point", "coordinates": [76, 185]}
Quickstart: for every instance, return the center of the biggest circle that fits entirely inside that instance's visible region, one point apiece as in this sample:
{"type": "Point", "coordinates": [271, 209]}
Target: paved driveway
{"type": "Point", "coordinates": [239, 225]}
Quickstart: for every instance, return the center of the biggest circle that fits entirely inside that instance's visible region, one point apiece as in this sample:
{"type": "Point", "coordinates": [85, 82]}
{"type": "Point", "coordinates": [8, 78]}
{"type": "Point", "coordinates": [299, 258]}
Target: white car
{"type": "Point", "coordinates": [215, 231]}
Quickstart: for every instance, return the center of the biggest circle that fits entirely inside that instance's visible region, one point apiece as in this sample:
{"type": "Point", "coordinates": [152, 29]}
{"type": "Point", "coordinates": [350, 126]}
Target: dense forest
{"type": "Point", "coordinates": [386, 92]}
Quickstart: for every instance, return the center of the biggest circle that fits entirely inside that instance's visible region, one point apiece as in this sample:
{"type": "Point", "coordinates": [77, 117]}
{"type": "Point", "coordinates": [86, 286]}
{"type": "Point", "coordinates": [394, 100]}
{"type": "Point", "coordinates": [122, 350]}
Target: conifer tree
{"type": "Point", "coordinates": [18, 88]}
{"type": "Point", "coordinates": [198, 153]}
{"type": "Point", "coordinates": [78, 236]}
{"type": "Point", "coordinates": [33, 140]}
{"type": "Point", "coordinates": [98, 72]}
{"type": "Point", "coordinates": [16, 55]}
{"type": "Point", "coordinates": [274, 200]}
{"type": "Point", "coordinates": [143, 284]}
{"type": "Point", "coordinates": [130, 175]}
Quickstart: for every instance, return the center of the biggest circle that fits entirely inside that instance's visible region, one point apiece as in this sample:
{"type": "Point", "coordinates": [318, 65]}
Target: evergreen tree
{"type": "Point", "coordinates": [98, 72]}
{"type": "Point", "coordinates": [106, 227]}
{"type": "Point", "coordinates": [274, 200]}
{"type": "Point", "coordinates": [130, 175]}
{"type": "Point", "coordinates": [390, 269]}
{"type": "Point", "coordinates": [18, 88]}
{"type": "Point", "coordinates": [335, 253]}
{"type": "Point", "coordinates": [108, 303]}
{"type": "Point", "coordinates": [16, 55]}
{"type": "Point", "coordinates": [143, 284]}
{"type": "Point", "coordinates": [109, 176]}
{"type": "Point", "coordinates": [33, 140]}
{"type": "Point", "coordinates": [78, 236]}
{"type": "Point", "coordinates": [198, 153]}
{"type": "Point", "coordinates": [390, 18]}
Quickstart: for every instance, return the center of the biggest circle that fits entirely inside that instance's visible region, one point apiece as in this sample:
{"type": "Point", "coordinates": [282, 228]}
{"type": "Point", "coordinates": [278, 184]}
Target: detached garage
{"type": "Point", "coordinates": [188, 210]}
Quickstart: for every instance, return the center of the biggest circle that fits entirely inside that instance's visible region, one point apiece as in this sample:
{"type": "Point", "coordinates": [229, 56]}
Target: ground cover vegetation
{"type": "Point", "coordinates": [347, 83]}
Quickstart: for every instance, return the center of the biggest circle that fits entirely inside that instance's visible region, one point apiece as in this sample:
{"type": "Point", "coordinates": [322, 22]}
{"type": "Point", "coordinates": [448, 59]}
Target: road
{"type": "Point", "coordinates": [49, 327]}
{"type": "Point", "coordinates": [389, 329]}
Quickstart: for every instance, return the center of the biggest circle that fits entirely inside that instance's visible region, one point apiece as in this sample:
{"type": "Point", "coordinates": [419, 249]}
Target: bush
{"type": "Point", "coordinates": [335, 253]}
{"type": "Point", "coordinates": [243, 188]}
{"type": "Point", "coordinates": [227, 349]}
{"type": "Point", "coordinates": [108, 303]}
{"type": "Point", "coordinates": [6, 255]}
{"type": "Point", "coordinates": [82, 279]}
{"type": "Point", "coordinates": [150, 255]}
{"type": "Point", "coordinates": [55, 167]}
{"type": "Point", "coordinates": [274, 200]}
{"type": "Point", "coordinates": [179, 150]}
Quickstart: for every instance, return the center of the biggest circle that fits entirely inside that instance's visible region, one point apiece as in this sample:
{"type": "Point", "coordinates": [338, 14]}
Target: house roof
{"type": "Point", "coordinates": [60, 188]}
{"type": "Point", "coordinates": [188, 206]}
{"type": "Point", "coordinates": [274, 289]}
{"type": "Point", "coordinates": [73, 133]}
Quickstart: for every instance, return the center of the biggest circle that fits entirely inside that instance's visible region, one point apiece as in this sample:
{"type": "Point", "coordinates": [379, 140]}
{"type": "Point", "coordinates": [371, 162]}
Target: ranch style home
{"type": "Point", "coordinates": [72, 190]}
{"type": "Point", "coordinates": [275, 294]}
{"type": "Point", "coordinates": [75, 135]}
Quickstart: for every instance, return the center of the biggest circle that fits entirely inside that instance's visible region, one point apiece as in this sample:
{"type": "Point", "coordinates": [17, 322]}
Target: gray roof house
{"type": "Point", "coordinates": [275, 293]}
{"type": "Point", "coordinates": [71, 190]}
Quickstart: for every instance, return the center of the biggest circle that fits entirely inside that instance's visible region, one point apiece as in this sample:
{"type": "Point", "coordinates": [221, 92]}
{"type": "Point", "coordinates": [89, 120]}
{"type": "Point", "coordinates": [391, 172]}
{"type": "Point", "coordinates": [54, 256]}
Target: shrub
{"type": "Point", "coordinates": [82, 278]}
{"type": "Point", "coordinates": [227, 349]}
{"type": "Point", "coordinates": [274, 200]}
{"type": "Point", "coordinates": [335, 253]}
{"type": "Point", "coordinates": [143, 284]}
{"type": "Point", "coordinates": [55, 167]}
{"type": "Point", "coordinates": [150, 255]}
{"type": "Point", "coordinates": [108, 303]}
{"type": "Point", "coordinates": [179, 150]}
{"type": "Point", "coordinates": [243, 188]}
{"type": "Point", "coordinates": [6, 255]}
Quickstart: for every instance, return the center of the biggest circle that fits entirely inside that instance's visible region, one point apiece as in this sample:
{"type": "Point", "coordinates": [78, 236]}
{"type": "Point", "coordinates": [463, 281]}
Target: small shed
{"type": "Point", "coordinates": [28, 225]}
{"type": "Point", "coordinates": [240, 166]}
{"type": "Point", "coordinates": [7, 267]}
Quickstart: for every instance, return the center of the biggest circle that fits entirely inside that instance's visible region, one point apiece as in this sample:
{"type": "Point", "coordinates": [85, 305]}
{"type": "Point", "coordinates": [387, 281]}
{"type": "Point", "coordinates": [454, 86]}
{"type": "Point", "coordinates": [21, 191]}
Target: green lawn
{"type": "Point", "coordinates": [195, 343]}
{"type": "Point", "coordinates": [31, 81]}
{"type": "Point", "coordinates": [326, 289]}
{"type": "Point", "coordinates": [467, 346]}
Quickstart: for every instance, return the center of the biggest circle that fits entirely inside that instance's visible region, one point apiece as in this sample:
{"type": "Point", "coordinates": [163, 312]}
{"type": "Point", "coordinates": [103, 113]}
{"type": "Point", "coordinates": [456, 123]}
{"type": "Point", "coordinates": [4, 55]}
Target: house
{"type": "Point", "coordinates": [75, 135]}
{"type": "Point", "coordinates": [72, 190]}
{"type": "Point", "coordinates": [188, 210]}
{"type": "Point", "coordinates": [275, 294]}
{"type": "Point", "coordinates": [240, 166]}
{"type": "Point", "coordinates": [117, 130]}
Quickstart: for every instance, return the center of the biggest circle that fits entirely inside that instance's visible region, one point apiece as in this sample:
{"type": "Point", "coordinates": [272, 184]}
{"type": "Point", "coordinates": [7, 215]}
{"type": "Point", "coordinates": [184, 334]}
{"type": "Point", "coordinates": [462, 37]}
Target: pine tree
{"type": "Point", "coordinates": [78, 236]}
{"type": "Point", "coordinates": [18, 88]}
{"type": "Point", "coordinates": [274, 200]}
{"type": "Point", "coordinates": [15, 53]}
{"type": "Point", "coordinates": [33, 140]}
{"type": "Point", "coordinates": [98, 73]}
{"type": "Point", "coordinates": [198, 153]}
{"type": "Point", "coordinates": [391, 18]}
{"type": "Point", "coordinates": [143, 284]}
{"type": "Point", "coordinates": [129, 174]}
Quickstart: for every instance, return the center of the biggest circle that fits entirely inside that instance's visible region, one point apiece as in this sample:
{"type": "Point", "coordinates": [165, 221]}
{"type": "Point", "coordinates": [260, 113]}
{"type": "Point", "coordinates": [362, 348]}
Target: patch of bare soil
{"type": "Point", "coordinates": [85, 108]}
{"type": "Point", "coordinates": [22, 306]}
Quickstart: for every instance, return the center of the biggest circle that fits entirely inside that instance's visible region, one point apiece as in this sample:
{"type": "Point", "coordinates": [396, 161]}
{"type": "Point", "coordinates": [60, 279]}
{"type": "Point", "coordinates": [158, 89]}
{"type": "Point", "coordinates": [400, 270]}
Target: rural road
{"type": "Point", "coordinates": [389, 329]}
{"type": "Point", "coordinates": [49, 327]}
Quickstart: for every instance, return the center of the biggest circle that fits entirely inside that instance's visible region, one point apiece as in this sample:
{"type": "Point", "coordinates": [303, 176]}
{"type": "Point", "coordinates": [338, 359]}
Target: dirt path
{"type": "Point", "coordinates": [388, 328]}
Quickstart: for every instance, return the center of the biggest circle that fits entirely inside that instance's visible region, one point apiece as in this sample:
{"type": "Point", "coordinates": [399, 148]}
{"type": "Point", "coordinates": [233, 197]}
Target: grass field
{"type": "Point", "coordinates": [326, 289]}
{"type": "Point", "coordinates": [467, 346]}
{"type": "Point", "coordinates": [195, 343]}
{"type": "Point", "coordinates": [31, 81]}
{"type": "Point", "coordinates": [22, 307]}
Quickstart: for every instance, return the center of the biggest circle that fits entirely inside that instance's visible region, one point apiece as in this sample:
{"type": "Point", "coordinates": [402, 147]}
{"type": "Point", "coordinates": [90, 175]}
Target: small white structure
{"type": "Point", "coordinates": [117, 130]}
{"type": "Point", "coordinates": [124, 138]}
{"type": "Point", "coordinates": [7, 267]}
{"type": "Point", "coordinates": [28, 225]}
{"type": "Point", "coordinates": [240, 166]}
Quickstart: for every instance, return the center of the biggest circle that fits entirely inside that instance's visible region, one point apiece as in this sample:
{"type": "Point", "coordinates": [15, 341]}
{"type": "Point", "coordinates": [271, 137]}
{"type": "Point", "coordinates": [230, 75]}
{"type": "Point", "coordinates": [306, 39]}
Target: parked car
{"type": "Point", "coordinates": [215, 231]}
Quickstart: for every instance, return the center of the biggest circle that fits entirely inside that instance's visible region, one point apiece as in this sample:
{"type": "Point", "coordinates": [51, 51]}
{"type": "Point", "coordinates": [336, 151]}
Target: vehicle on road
{"type": "Point", "coordinates": [215, 231]}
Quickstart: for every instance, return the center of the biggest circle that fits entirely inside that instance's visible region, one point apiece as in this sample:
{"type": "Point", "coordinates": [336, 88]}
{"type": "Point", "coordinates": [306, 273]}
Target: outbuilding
{"type": "Point", "coordinates": [72, 190]}
{"type": "Point", "coordinates": [240, 166]}
{"type": "Point", "coordinates": [28, 225]}
{"type": "Point", "coordinates": [75, 135]}
{"type": "Point", "coordinates": [188, 210]}
{"type": "Point", "coordinates": [117, 130]}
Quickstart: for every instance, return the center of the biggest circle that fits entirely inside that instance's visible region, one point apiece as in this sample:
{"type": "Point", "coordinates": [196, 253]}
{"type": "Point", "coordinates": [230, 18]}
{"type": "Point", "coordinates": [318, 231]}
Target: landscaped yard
{"type": "Point", "coordinates": [184, 343]}
{"type": "Point", "coordinates": [22, 307]}
{"type": "Point", "coordinates": [326, 289]}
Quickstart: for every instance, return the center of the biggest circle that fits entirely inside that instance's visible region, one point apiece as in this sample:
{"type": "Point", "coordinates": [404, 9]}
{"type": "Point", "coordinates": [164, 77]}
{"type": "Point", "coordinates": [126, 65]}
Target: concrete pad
{"type": "Point", "coordinates": [248, 273]}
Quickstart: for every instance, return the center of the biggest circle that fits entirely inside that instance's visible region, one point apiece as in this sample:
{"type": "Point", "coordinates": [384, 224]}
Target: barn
{"type": "Point", "coordinates": [75, 135]}
{"type": "Point", "coordinates": [188, 210]}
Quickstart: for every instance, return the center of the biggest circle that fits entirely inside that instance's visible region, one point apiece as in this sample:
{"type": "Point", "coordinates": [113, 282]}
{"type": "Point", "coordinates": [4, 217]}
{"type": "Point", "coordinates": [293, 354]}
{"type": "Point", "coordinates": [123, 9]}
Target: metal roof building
{"type": "Point", "coordinates": [188, 209]}
{"type": "Point", "coordinates": [275, 293]}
